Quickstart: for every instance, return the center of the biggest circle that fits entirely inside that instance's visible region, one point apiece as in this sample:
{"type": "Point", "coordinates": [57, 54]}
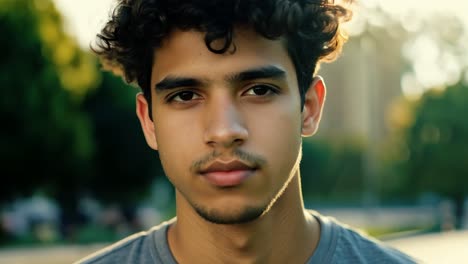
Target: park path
{"type": "Point", "coordinates": [446, 247]}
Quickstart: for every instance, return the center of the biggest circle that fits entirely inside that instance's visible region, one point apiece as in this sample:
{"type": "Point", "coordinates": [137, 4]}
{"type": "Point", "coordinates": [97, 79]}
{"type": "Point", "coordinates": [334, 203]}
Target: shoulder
{"type": "Point", "coordinates": [353, 244]}
{"type": "Point", "coordinates": [137, 248]}
{"type": "Point", "coordinates": [356, 247]}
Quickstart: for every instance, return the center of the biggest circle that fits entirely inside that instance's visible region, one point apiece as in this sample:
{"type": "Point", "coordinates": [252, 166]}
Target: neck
{"type": "Point", "coordinates": [285, 234]}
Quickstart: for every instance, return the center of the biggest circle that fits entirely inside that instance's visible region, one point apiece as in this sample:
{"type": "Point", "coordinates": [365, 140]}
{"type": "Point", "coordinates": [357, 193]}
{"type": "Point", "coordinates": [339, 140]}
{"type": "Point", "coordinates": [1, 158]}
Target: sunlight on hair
{"type": "Point", "coordinates": [433, 65]}
{"type": "Point", "coordinates": [86, 17]}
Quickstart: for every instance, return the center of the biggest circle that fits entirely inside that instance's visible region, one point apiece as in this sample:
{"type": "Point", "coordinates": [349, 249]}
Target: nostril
{"type": "Point", "coordinates": [226, 138]}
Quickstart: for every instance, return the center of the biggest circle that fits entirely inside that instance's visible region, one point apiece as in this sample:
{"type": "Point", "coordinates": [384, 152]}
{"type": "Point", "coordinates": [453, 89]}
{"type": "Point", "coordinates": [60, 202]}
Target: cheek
{"type": "Point", "coordinates": [177, 144]}
{"type": "Point", "coordinates": [279, 134]}
{"type": "Point", "coordinates": [285, 141]}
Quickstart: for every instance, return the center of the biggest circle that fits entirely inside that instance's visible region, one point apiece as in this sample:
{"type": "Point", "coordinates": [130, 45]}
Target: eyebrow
{"type": "Point", "coordinates": [171, 82]}
{"type": "Point", "coordinates": [264, 72]}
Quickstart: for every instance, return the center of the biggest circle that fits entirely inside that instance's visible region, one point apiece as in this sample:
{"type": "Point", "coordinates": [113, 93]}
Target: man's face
{"type": "Point", "coordinates": [227, 127]}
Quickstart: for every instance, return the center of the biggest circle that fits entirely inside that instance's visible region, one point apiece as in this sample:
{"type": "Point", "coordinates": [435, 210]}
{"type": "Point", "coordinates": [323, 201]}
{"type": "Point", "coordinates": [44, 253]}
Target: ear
{"type": "Point", "coordinates": [314, 100]}
{"type": "Point", "coordinates": [142, 111]}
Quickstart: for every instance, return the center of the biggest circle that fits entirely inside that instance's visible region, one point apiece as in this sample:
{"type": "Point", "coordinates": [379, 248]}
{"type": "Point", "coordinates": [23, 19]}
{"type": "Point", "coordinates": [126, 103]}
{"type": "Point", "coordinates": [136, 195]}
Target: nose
{"type": "Point", "coordinates": [225, 127]}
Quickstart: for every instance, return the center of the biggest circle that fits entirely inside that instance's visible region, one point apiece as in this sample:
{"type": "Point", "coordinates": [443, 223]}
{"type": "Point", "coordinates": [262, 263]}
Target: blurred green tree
{"type": "Point", "coordinates": [68, 128]}
{"type": "Point", "coordinates": [434, 150]}
{"type": "Point", "coordinates": [45, 139]}
{"type": "Point", "coordinates": [124, 166]}
{"type": "Point", "coordinates": [332, 170]}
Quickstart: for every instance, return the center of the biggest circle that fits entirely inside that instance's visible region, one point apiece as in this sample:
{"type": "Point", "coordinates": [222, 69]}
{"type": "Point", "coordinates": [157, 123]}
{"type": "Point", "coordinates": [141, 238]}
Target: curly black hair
{"type": "Point", "coordinates": [310, 29]}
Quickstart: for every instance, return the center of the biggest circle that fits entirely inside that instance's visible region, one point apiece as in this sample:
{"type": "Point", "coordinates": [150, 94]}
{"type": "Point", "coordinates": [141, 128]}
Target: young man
{"type": "Point", "coordinates": [229, 89]}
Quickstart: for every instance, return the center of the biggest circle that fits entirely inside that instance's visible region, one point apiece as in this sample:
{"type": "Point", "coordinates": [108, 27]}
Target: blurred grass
{"type": "Point", "coordinates": [391, 232]}
{"type": "Point", "coordinates": [47, 255]}
{"type": "Point", "coordinates": [29, 250]}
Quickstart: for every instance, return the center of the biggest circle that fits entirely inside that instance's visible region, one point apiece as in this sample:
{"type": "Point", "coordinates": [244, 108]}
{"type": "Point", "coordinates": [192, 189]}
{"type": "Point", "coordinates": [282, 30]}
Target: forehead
{"type": "Point", "coordinates": [184, 53]}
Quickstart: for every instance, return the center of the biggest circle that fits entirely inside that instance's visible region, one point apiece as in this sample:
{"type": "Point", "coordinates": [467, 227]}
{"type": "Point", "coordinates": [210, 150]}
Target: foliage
{"type": "Point", "coordinates": [332, 169]}
{"type": "Point", "coordinates": [68, 128]}
{"type": "Point", "coordinates": [45, 139]}
{"type": "Point", "coordinates": [432, 154]}
{"type": "Point", "coordinates": [438, 142]}
{"type": "Point", "coordinates": [124, 166]}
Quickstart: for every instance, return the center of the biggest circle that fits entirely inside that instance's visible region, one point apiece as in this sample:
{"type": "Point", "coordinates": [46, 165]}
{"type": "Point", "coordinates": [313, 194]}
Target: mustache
{"type": "Point", "coordinates": [251, 159]}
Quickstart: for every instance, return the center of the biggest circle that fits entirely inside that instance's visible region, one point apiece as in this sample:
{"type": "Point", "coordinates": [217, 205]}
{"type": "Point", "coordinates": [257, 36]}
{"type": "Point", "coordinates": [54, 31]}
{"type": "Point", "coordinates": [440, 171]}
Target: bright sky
{"type": "Point", "coordinates": [84, 18]}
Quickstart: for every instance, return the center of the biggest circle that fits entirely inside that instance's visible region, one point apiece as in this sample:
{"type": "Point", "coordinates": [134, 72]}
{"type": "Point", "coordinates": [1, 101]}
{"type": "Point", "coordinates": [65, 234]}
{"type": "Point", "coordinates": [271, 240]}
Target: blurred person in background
{"type": "Point", "coordinates": [229, 88]}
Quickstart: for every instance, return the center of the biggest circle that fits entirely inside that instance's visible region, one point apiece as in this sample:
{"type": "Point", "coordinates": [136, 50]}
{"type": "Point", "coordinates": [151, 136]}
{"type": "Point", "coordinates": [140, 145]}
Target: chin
{"type": "Point", "coordinates": [224, 217]}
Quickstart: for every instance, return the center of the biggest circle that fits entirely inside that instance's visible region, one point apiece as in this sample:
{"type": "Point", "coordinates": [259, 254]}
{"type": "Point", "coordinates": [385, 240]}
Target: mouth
{"type": "Point", "coordinates": [228, 174]}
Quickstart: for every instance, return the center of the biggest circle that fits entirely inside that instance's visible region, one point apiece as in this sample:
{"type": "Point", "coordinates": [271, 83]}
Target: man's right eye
{"type": "Point", "coordinates": [183, 96]}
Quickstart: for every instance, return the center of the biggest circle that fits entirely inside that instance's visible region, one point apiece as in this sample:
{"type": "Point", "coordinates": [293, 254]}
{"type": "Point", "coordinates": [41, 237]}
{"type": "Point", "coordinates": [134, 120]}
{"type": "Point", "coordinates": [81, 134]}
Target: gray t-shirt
{"type": "Point", "coordinates": [338, 244]}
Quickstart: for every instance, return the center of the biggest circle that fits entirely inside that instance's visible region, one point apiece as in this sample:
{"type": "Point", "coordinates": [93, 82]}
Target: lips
{"type": "Point", "coordinates": [227, 174]}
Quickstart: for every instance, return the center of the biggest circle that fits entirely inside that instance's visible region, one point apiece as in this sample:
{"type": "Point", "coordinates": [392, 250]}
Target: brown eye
{"type": "Point", "coordinates": [260, 90]}
{"type": "Point", "coordinates": [184, 96]}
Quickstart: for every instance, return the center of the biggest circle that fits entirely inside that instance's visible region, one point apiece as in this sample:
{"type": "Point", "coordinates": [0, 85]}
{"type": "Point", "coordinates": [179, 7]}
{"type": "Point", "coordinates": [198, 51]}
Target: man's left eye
{"type": "Point", "coordinates": [260, 90]}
